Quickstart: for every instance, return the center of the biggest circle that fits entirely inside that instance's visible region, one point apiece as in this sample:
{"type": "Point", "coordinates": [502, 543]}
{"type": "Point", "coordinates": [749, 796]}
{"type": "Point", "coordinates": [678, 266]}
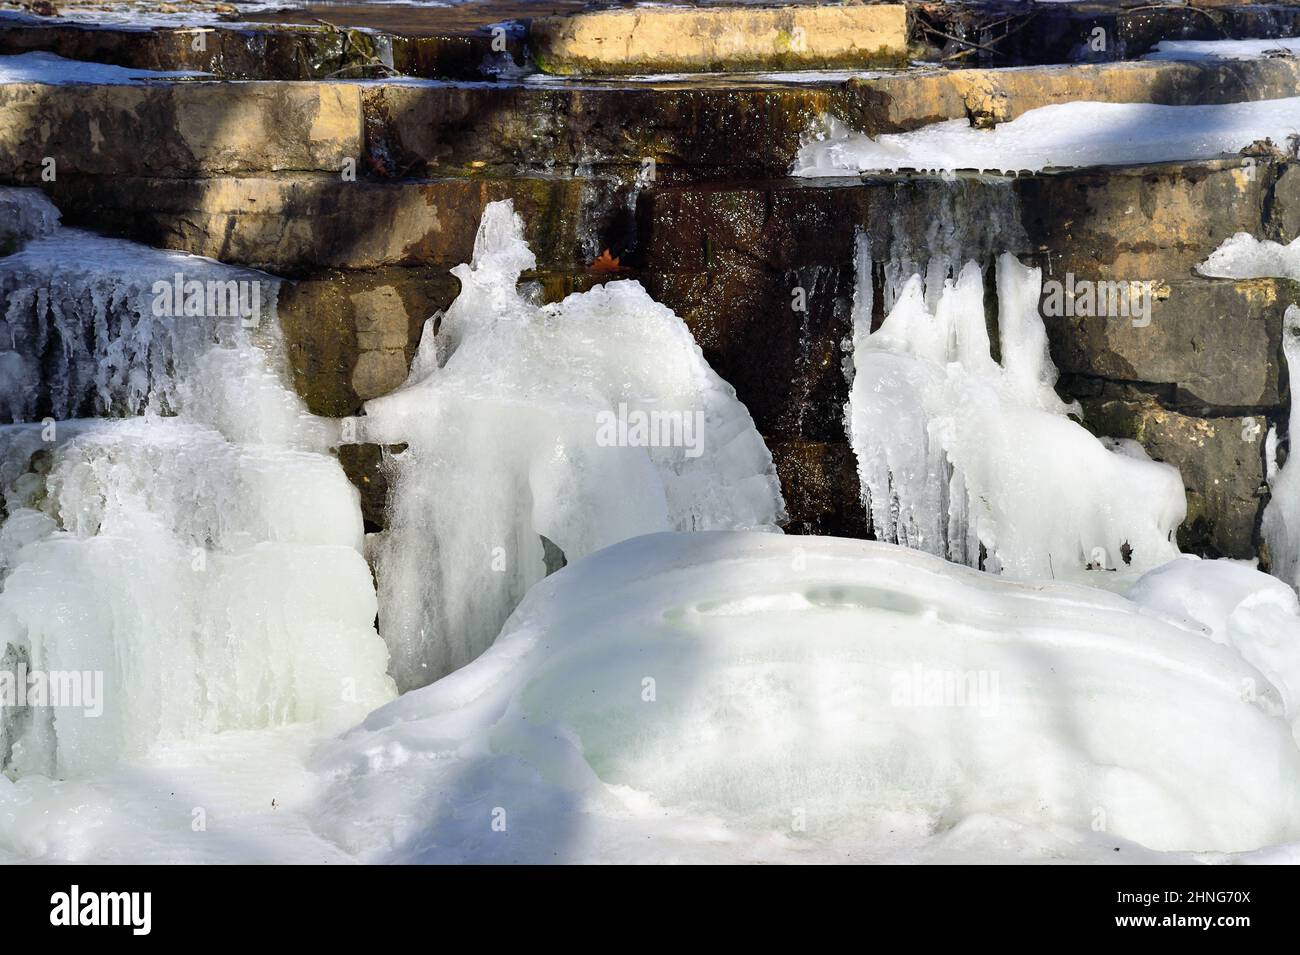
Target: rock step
{"type": "Point", "coordinates": [1220, 458]}
{"type": "Point", "coordinates": [674, 131]}
{"type": "Point", "coordinates": [469, 41]}
{"type": "Point", "coordinates": [671, 39]}
{"type": "Point", "coordinates": [271, 52]}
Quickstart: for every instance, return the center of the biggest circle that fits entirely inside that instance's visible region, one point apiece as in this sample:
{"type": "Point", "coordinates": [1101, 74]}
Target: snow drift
{"type": "Point", "coordinates": [757, 697]}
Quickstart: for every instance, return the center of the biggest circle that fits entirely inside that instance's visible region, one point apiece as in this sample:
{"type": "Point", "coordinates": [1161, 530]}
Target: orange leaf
{"type": "Point", "coordinates": [605, 263]}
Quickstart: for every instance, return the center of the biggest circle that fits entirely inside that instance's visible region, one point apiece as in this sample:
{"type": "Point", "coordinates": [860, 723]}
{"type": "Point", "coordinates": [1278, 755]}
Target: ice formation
{"type": "Point", "coordinates": [93, 327]}
{"type": "Point", "coordinates": [979, 462]}
{"type": "Point", "coordinates": [750, 697]}
{"type": "Point", "coordinates": [579, 424]}
{"type": "Point", "coordinates": [25, 214]}
{"type": "Point", "coordinates": [1281, 522]}
{"type": "Point", "coordinates": [207, 564]}
{"type": "Point", "coordinates": [1244, 257]}
{"type": "Point", "coordinates": [1057, 136]}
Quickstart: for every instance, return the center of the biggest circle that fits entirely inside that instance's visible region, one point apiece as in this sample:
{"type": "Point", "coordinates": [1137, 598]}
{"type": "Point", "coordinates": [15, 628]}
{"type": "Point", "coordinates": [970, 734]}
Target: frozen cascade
{"type": "Point", "coordinates": [208, 563]}
{"type": "Point", "coordinates": [1281, 522]}
{"type": "Point", "coordinates": [584, 422]}
{"type": "Point", "coordinates": [83, 333]}
{"type": "Point", "coordinates": [932, 227]}
{"type": "Point", "coordinates": [940, 431]}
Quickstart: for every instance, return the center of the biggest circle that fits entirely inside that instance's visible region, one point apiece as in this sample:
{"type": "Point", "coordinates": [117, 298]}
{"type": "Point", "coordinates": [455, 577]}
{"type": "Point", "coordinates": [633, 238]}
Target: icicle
{"type": "Point", "coordinates": [956, 452]}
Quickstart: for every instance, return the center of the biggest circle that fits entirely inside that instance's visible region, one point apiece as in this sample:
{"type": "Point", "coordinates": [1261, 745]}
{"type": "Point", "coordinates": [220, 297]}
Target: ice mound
{"type": "Point", "coordinates": [753, 697]}
{"type": "Point", "coordinates": [1244, 257]}
{"type": "Point", "coordinates": [25, 214]}
{"type": "Point", "coordinates": [977, 461]}
{"type": "Point", "coordinates": [1235, 605]}
{"type": "Point", "coordinates": [582, 423]}
{"type": "Point", "coordinates": [199, 572]}
{"type": "Point", "coordinates": [1058, 136]}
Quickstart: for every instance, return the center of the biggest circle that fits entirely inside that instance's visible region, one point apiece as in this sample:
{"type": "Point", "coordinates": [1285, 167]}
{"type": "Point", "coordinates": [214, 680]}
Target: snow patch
{"type": "Point", "coordinates": [1059, 136]}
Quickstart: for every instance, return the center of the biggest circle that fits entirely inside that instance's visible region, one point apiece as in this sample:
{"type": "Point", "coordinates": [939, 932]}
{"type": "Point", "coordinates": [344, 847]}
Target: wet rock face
{"type": "Point", "coordinates": [1152, 222]}
{"type": "Point", "coordinates": [274, 52]}
{"type": "Point", "coordinates": [1213, 344]}
{"type": "Point", "coordinates": [351, 335]}
{"type": "Point", "coordinates": [744, 130]}
{"type": "Point", "coordinates": [291, 224]}
{"type": "Point", "coordinates": [181, 130]}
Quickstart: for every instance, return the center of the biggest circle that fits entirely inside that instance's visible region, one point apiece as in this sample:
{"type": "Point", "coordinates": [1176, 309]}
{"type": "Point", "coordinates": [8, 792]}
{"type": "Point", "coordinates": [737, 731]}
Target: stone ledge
{"type": "Point", "coordinates": [721, 39]}
{"type": "Point", "coordinates": [295, 223]}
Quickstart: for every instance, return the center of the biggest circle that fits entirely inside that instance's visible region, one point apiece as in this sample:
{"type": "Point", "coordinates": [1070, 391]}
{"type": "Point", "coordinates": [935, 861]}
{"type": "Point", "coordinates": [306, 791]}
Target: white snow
{"type": "Point", "coordinates": [1223, 49]}
{"type": "Point", "coordinates": [956, 451]}
{"type": "Point", "coordinates": [514, 415]}
{"type": "Point", "coordinates": [50, 68]}
{"type": "Point", "coordinates": [749, 697]}
{"type": "Point", "coordinates": [1058, 136]}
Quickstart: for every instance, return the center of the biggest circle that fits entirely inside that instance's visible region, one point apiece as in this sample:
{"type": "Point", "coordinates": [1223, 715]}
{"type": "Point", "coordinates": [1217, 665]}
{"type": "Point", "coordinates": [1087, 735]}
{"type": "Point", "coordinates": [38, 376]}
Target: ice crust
{"type": "Point", "coordinates": [502, 415]}
{"type": "Point", "coordinates": [49, 68]}
{"type": "Point", "coordinates": [1223, 49]}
